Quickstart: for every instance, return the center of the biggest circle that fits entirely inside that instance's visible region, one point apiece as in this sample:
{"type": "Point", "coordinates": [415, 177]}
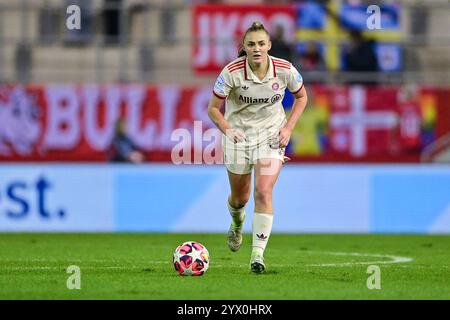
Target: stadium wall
{"type": "Point", "coordinates": [167, 198]}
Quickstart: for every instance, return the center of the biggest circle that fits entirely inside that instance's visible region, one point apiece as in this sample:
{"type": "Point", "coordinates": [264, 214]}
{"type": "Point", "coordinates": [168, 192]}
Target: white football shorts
{"type": "Point", "coordinates": [240, 158]}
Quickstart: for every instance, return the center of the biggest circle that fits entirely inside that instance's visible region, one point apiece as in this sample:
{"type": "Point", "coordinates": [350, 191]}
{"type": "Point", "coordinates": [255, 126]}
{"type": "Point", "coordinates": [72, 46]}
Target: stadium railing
{"type": "Point", "coordinates": [153, 42]}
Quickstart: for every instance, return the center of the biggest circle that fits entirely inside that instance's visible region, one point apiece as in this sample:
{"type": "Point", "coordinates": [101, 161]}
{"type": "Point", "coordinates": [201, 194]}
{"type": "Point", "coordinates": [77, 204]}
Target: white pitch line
{"type": "Point", "coordinates": [394, 259]}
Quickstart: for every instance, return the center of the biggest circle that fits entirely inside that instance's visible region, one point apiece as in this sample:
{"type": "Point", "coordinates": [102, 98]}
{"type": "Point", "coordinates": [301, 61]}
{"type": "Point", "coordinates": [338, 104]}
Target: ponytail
{"type": "Point", "coordinates": [241, 52]}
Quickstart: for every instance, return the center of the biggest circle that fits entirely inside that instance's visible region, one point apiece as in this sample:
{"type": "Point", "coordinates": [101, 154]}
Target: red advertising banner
{"type": "Point", "coordinates": [356, 123]}
{"type": "Point", "coordinates": [348, 123]}
{"type": "Point", "coordinates": [77, 123]}
{"type": "Point", "coordinates": [218, 30]}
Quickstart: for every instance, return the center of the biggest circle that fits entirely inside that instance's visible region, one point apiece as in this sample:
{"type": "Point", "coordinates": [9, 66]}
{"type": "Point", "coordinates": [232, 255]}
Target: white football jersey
{"type": "Point", "coordinates": [254, 105]}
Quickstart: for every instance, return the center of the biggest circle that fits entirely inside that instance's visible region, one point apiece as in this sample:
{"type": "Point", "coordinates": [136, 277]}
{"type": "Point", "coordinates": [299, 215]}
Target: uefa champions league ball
{"type": "Point", "coordinates": [191, 259]}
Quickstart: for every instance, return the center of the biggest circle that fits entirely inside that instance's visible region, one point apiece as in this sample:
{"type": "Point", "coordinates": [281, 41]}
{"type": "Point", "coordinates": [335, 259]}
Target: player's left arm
{"type": "Point", "coordinates": [299, 105]}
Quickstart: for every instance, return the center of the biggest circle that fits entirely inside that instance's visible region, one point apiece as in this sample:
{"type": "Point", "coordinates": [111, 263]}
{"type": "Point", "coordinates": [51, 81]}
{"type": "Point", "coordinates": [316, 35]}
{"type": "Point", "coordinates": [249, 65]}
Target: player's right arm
{"type": "Point", "coordinates": [217, 117]}
{"type": "Point", "coordinates": [222, 88]}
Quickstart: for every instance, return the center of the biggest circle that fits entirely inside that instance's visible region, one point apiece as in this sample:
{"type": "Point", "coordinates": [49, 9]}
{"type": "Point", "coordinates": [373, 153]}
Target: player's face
{"type": "Point", "coordinates": [256, 45]}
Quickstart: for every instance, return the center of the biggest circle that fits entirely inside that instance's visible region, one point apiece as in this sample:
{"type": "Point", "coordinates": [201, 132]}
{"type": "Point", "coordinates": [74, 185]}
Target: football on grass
{"type": "Point", "coordinates": [191, 258]}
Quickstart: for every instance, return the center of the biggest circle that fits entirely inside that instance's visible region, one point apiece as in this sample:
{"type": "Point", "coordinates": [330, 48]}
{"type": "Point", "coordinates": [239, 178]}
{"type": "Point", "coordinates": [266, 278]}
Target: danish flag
{"type": "Point", "coordinates": [361, 125]}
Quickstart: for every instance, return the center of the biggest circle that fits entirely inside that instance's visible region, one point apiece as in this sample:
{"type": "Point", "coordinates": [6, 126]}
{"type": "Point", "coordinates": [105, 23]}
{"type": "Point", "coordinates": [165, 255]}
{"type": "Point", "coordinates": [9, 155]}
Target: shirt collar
{"type": "Point", "coordinates": [249, 75]}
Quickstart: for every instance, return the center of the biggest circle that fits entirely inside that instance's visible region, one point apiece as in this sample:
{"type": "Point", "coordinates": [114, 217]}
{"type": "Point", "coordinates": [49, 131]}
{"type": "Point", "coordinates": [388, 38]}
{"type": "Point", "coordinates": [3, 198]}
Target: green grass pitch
{"type": "Point", "coordinates": [138, 266]}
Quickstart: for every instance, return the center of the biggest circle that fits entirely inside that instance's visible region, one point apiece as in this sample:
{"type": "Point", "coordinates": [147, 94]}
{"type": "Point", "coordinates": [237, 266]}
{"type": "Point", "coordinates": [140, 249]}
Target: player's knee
{"type": "Point", "coordinates": [239, 201]}
{"type": "Point", "coordinates": [263, 194]}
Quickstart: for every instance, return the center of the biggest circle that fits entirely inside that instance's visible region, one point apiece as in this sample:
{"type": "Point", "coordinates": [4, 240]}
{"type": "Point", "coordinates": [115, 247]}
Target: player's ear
{"type": "Point", "coordinates": [269, 44]}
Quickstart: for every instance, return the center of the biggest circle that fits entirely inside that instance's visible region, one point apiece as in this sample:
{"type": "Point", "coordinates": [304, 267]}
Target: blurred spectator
{"type": "Point", "coordinates": [311, 58]}
{"type": "Point", "coordinates": [111, 20]}
{"type": "Point", "coordinates": [280, 48]}
{"type": "Point", "coordinates": [360, 55]}
{"type": "Point", "coordinates": [122, 148]}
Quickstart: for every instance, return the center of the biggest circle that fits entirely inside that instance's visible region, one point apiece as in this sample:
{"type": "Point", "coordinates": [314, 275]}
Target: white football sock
{"type": "Point", "coordinates": [237, 215]}
{"type": "Point", "coordinates": [262, 226]}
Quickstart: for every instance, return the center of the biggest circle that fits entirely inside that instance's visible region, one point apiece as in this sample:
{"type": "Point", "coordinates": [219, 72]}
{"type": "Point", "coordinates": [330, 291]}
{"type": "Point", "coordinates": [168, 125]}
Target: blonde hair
{"type": "Point", "coordinates": [256, 26]}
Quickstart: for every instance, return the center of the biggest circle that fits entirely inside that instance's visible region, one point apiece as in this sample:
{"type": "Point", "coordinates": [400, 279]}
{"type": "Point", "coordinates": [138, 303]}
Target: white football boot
{"type": "Point", "coordinates": [257, 264]}
{"type": "Point", "coordinates": [234, 237]}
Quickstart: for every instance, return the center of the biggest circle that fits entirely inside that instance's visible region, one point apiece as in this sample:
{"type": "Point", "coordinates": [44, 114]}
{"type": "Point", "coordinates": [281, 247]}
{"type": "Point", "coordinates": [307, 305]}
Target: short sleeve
{"type": "Point", "coordinates": [223, 85]}
{"type": "Point", "coordinates": [295, 80]}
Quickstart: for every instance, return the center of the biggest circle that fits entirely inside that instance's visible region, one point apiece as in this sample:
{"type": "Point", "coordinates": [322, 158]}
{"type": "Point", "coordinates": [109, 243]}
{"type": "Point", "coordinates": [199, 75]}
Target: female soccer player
{"type": "Point", "coordinates": [256, 132]}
